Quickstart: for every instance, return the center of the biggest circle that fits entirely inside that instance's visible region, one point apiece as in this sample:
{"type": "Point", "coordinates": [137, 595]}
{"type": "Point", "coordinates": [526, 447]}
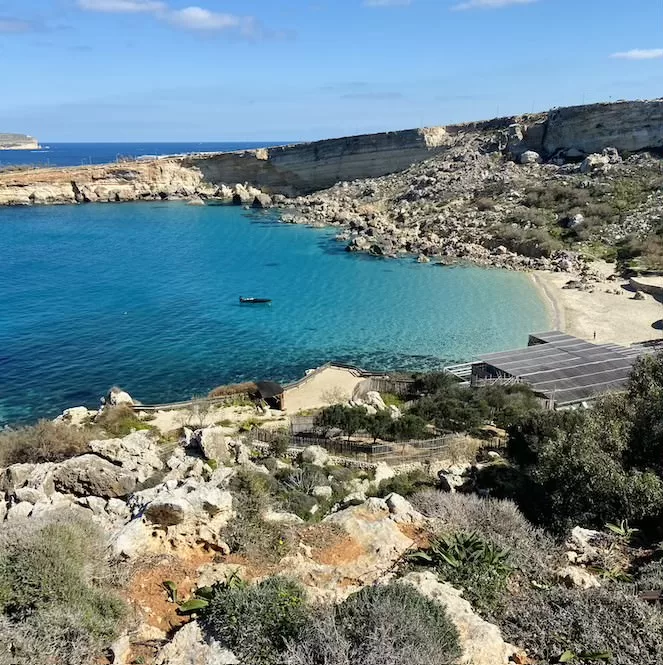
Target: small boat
{"type": "Point", "coordinates": [255, 301]}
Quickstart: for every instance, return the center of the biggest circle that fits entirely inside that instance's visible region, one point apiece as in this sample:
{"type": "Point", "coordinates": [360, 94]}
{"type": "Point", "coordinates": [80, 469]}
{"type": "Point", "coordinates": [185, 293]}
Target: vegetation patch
{"type": "Point", "coordinates": [56, 602]}
{"type": "Point", "coordinates": [383, 625]}
{"type": "Point", "coordinates": [47, 441]}
{"type": "Point", "coordinates": [121, 420]}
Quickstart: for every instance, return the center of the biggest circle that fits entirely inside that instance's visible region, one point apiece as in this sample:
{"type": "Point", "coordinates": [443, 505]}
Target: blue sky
{"type": "Point", "coordinates": [215, 70]}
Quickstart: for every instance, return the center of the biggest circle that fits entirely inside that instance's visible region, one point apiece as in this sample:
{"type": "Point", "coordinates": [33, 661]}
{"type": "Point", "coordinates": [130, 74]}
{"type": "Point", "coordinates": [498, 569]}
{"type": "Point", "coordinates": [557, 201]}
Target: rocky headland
{"type": "Point", "coordinates": [532, 191]}
{"type": "Point", "coordinates": [18, 142]}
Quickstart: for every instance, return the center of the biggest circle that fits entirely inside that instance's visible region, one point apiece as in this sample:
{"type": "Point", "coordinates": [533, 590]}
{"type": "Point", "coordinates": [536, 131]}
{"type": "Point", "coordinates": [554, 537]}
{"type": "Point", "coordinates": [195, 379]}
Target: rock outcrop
{"type": "Point", "coordinates": [249, 177]}
{"type": "Point", "coordinates": [18, 142]}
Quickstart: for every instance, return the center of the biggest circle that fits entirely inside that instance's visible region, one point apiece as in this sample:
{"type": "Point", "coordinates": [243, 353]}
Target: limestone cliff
{"type": "Point", "coordinates": [18, 142]}
{"type": "Point", "coordinates": [308, 167]}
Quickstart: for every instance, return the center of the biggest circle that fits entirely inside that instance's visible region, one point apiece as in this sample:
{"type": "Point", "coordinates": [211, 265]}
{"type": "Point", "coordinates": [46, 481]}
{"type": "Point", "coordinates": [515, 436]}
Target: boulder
{"type": "Point", "coordinates": [282, 518]}
{"type": "Point", "coordinates": [581, 543]}
{"type": "Point", "coordinates": [262, 201]}
{"type": "Point", "coordinates": [117, 396]}
{"type": "Point", "coordinates": [91, 474]}
{"type": "Point", "coordinates": [530, 157]}
{"type": "Point", "coordinates": [401, 510]}
{"type": "Point", "coordinates": [136, 452]}
{"type": "Point", "coordinates": [374, 398]}
{"type": "Point", "coordinates": [575, 576]}
{"type": "Point", "coordinates": [322, 492]}
{"type": "Point", "coordinates": [189, 647]}
{"type": "Point", "coordinates": [241, 196]}
{"type": "Point", "coordinates": [15, 476]}
{"type": "Point", "coordinates": [316, 455]}
{"type": "Point", "coordinates": [213, 443]}
{"type": "Point", "coordinates": [77, 416]}
{"type": "Point", "coordinates": [19, 511]}
{"type": "Point", "coordinates": [3, 508]}
{"type": "Point", "coordinates": [481, 642]}
{"type": "Point", "coordinates": [30, 495]}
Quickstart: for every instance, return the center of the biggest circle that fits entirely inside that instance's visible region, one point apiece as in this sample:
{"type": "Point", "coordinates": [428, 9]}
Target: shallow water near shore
{"type": "Point", "coordinates": [145, 296]}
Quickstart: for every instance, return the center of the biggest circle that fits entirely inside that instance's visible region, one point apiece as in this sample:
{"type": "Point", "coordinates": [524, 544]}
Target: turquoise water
{"type": "Point", "coordinates": [145, 296]}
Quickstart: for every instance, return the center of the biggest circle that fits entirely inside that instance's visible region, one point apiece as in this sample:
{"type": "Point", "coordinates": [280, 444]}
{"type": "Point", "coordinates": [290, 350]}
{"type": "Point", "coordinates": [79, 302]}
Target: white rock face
{"type": "Point", "coordinates": [19, 511]}
{"type": "Point", "coordinates": [401, 510]}
{"type": "Point", "coordinates": [213, 443]}
{"type": "Point", "coordinates": [481, 642]}
{"type": "Point", "coordinates": [374, 398]}
{"type": "Point", "coordinates": [189, 647]}
{"type": "Point", "coordinates": [137, 452]}
{"type": "Point", "coordinates": [315, 455]}
{"type": "Point", "coordinates": [575, 576]}
{"type": "Point", "coordinates": [115, 397]}
{"type": "Point", "coordinates": [77, 416]}
{"type": "Point", "coordinates": [322, 491]}
{"type": "Point", "coordinates": [282, 518]}
{"type": "Point", "coordinates": [530, 157]}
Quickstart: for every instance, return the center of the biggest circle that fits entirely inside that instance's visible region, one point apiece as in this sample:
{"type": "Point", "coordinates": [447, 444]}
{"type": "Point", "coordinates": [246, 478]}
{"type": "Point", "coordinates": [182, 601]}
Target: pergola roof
{"type": "Point", "coordinates": [566, 369]}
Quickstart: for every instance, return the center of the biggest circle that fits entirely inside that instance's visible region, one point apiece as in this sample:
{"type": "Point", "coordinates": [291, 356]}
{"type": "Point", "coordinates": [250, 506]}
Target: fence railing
{"type": "Point", "coordinates": [205, 401]}
{"type": "Point", "coordinates": [364, 451]}
{"type": "Point", "coordinates": [383, 384]}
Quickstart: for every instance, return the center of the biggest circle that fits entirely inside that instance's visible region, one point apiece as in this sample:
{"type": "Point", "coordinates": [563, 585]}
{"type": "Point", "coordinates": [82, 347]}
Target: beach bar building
{"type": "Point", "coordinates": [563, 370]}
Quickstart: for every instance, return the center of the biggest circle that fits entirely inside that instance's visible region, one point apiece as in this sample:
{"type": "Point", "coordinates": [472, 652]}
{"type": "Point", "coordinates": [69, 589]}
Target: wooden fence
{"type": "Point", "coordinates": [385, 384]}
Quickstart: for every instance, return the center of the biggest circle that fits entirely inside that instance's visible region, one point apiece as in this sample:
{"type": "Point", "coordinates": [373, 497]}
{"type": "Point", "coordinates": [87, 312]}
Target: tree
{"type": "Point", "coordinates": [379, 425]}
{"type": "Point", "coordinates": [348, 419]}
{"type": "Point", "coordinates": [408, 428]}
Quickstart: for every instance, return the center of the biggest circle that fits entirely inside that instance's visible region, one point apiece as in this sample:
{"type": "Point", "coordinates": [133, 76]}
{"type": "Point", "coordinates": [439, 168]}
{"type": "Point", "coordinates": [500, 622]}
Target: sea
{"type": "Point", "coordinates": [77, 154]}
{"type": "Point", "coordinates": [146, 296]}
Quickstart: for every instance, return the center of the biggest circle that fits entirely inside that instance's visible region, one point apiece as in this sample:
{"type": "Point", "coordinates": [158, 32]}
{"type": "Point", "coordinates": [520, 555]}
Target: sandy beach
{"type": "Point", "coordinates": [612, 317]}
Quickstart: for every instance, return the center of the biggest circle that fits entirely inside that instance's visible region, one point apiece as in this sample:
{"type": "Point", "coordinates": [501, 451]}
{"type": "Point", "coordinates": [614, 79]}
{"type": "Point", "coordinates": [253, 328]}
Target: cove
{"type": "Point", "coordinates": [146, 296]}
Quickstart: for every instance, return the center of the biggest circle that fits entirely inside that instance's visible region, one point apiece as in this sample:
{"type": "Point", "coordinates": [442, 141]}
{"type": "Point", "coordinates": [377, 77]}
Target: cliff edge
{"type": "Point", "coordinates": [18, 142]}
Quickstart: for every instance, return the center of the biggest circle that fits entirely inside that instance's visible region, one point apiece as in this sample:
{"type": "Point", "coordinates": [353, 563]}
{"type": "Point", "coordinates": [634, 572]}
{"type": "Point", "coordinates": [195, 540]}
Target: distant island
{"type": "Point", "coordinates": [18, 142]}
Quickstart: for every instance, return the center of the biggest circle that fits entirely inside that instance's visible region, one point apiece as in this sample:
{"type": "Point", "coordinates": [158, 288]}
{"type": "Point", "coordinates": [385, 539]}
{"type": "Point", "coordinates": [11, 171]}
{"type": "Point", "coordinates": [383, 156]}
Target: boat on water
{"type": "Point", "coordinates": [255, 301]}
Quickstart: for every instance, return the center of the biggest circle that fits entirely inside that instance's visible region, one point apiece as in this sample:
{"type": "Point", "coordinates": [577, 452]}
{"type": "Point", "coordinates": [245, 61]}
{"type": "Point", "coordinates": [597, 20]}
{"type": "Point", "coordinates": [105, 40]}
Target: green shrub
{"type": "Point", "coordinates": [279, 445]}
{"type": "Point", "coordinates": [256, 622]}
{"type": "Point", "coordinates": [56, 603]}
{"type": "Point", "coordinates": [382, 625]}
{"type": "Point", "coordinates": [247, 533]}
{"type": "Point", "coordinates": [46, 441]}
{"type": "Point", "coordinates": [467, 561]}
{"type": "Point", "coordinates": [121, 420]}
{"type": "Point", "coordinates": [532, 550]}
{"type": "Point", "coordinates": [406, 484]}
{"type": "Point", "coordinates": [610, 621]}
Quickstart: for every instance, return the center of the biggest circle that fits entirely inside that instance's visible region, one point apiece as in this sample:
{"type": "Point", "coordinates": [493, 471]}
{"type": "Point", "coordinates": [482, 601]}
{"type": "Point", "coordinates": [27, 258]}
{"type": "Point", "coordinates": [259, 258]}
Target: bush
{"type": "Point", "coordinates": [279, 445]}
{"type": "Point", "coordinates": [56, 604]}
{"type": "Point", "coordinates": [532, 550]}
{"type": "Point", "coordinates": [247, 533]}
{"type": "Point", "coordinates": [121, 420]}
{"type": "Point", "coordinates": [46, 441]}
{"type": "Point", "coordinates": [256, 622]}
{"type": "Point", "coordinates": [383, 625]}
{"type": "Point", "coordinates": [406, 484]}
{"type": "Point", "coordinates": [467, 561]}
{"type": "Point", "coordinates": [609, 620]}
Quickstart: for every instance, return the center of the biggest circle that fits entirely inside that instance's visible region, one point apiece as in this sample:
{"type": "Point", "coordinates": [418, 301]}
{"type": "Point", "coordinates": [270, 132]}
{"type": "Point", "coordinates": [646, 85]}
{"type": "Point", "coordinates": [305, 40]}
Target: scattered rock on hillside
{"type": "Point", "coordinates": [189, 647]}
{"type": "Point", "coordinates": [136, 452]}
{"type": "Point", "coordinates": [91, 474]}
{"type": "Point", "coordinates": [316, 455]}
{"type": "Point", "coordinates": [117, 396]}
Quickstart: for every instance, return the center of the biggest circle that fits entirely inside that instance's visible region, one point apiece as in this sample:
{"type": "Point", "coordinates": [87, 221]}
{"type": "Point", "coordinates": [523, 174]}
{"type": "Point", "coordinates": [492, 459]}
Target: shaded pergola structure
{"type": "Point", "coordinates": [269, 392]}
{"type": "Point", "coordinates": [561, 369]}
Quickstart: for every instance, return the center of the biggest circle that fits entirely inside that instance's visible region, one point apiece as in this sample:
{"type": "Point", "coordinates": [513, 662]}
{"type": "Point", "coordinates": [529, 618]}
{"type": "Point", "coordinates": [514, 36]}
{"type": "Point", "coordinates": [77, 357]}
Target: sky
{"type": "Point", "coordinates": [285, 70]}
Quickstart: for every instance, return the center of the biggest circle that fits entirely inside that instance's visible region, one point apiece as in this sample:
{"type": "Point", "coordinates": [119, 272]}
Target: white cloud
{"type": "Point", "coordinates": [490, 4]}
{"type": "Point", "coordinates": [639, 54]}
{"type": "Point", "coordinates": [387, 3]}
{"type": "Point", "coordinates": [197, 18]}
{"type": "Point", "coordinates": [188, 18]}
{"type": "Point", "coordinates": [122, 6]}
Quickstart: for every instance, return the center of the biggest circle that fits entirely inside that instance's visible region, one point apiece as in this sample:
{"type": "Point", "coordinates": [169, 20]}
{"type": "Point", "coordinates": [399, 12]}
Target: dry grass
{"type": "Point", "coordinates": [235, 389]}
{"type": "Point", "coordinates": [46, 441]}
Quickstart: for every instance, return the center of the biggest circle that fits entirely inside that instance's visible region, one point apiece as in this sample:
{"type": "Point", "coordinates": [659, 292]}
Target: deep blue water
{"type": "Point", "coordinates": [75, 154]}
{"type": "Point", "coordinates": [145, 296]}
